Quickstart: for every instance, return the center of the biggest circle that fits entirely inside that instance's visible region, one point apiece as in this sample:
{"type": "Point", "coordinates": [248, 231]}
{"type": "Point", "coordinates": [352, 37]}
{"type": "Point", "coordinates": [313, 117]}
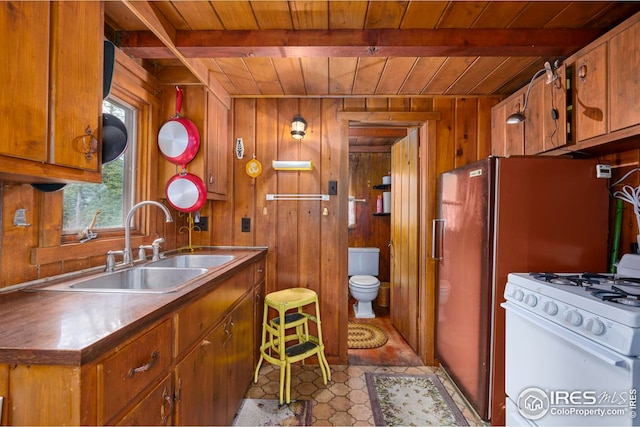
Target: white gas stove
{"type": "Point", "coordinates": [575, 335]}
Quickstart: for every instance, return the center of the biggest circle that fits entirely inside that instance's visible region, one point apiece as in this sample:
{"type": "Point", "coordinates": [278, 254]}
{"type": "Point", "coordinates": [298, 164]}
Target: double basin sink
{"type": "Point", "coordinates": [163, 276]}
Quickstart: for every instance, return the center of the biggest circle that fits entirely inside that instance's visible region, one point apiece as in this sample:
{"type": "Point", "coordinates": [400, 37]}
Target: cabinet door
{"type": "Point", "coordinates": [218, 149]}
{"type": "Point", "coordinates": [76, 83]}
{"type": "Point", "coordinates": [201, 382]}
{"type": "Point", "coordinates": [240, 350]}
{"type": "Point", "coordinates": [498, 117]}
{"type": "Point", "coordinates": [156, 409]}
{"type": "Point", "coordinates": [258, 312]}
{"type": "Point", "coordinates": [624, 66]}
{"type": "Point", "coordinates": [24, 79]}
{"type": "Point", "coordinates": [514, 133]}
{"type": "Point", "coordinates": [590, 94]}
{"type": "Point", "coordinates": [534, 124]}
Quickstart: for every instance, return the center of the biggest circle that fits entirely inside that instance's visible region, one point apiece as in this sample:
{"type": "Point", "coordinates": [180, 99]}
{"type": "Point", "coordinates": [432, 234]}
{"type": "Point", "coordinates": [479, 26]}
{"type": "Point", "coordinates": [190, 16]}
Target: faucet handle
{"type": "Point", "coordinates": [155, 246]}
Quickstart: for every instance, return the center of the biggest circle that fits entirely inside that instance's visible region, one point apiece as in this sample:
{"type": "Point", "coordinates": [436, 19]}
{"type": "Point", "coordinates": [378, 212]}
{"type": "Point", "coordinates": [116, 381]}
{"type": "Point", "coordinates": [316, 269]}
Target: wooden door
{"type": "Point", "coordinates": [76, 83]}
{"type": "Point", "coordinates": [624, 63]}
{"type": "Point", "coordinates": [405, 254]}
{"type": "Point", "coordinates": [590, 99]}
{"type": "Point", "coordinates": [200, 385]}
{"type": "Point", "coordinates": [24, 105]}
{"type": "Point", "coordinates": [240, 350]}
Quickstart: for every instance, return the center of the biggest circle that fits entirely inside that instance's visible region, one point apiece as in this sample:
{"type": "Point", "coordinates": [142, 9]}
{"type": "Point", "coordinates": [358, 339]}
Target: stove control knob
{"type": "Point", "coordinates": [595, 326]}
{"type": "Point", "coordinates": [550, 307]}
{"type": "Point", "coordinates": [517, 294]}
{"type": "Point", "coordinates": [572, 317]}
{"type": "Point", "coordinates": [531, 300]}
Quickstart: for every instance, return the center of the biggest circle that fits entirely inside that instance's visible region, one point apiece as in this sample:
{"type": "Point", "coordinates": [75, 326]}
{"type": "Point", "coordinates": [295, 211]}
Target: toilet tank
{"type": "Point", "coordinates": [364, 261]}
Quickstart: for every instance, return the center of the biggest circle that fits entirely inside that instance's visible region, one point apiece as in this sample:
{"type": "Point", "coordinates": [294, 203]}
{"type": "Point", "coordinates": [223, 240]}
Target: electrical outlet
{"type": "Point", "coordinates": [333, 188]}
{"type": "Point", "coordinates": [603, 171]}
{"type": "Point", "coordinates": [246, 225]}
{"type": "Point", "coordinates": [203, 225]}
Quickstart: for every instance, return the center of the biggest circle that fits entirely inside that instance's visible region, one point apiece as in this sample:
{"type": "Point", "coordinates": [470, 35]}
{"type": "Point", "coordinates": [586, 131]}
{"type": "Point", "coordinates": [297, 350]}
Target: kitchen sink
{"type": "Point", "coordinates": [193, 260]}
{"type": "Point", "coordinates": [157, 280]}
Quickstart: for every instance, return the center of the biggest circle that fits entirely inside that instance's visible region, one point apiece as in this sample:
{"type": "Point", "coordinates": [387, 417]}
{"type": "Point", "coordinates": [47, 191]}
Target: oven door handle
{"type": "Point", "coordinates": [595, 350]}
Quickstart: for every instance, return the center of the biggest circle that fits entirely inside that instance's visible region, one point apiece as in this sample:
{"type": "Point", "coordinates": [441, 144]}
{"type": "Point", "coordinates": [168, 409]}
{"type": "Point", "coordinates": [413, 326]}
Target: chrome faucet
{"type": "Point", "coordinates": [128, 254]}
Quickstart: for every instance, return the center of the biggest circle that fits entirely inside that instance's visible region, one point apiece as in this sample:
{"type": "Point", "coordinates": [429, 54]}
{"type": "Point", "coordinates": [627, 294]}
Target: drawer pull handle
{"type": "Point", "coordinates": [154, 358]}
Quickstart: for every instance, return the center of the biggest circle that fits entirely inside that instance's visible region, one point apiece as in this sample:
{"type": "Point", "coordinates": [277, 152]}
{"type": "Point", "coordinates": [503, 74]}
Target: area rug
{"type": "Point", "coordinates": [268, 412]}
{"type": "Point", "coordinates": [411, 400]}
{"type": "Point", "coordinates": [364, 335]}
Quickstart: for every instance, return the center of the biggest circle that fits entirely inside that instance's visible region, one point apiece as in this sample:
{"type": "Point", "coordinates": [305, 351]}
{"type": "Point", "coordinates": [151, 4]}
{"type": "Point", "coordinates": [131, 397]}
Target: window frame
{"type": "Point", "coordinates": [130, 162]}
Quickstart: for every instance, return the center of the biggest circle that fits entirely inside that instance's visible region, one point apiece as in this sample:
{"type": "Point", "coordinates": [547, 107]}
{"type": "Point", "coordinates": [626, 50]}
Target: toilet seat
{"type": "Point", "coordinates": [364, 281]}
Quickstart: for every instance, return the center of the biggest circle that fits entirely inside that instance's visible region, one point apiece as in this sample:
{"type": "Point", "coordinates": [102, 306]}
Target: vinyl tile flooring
{"type": "Point", "coordinates": [344, 401]}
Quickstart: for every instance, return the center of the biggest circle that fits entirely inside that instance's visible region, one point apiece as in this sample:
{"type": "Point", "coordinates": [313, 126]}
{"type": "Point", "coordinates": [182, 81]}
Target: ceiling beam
{"type": "Point", "coordinates": [360, 43]}
{"type": "Point", "coordinates": [165, 34]}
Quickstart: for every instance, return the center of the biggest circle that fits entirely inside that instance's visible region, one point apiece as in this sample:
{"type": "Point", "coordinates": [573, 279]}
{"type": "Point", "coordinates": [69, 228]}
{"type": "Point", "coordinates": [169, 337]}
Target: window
{"type": "Point", "coordinates": [115, 195]}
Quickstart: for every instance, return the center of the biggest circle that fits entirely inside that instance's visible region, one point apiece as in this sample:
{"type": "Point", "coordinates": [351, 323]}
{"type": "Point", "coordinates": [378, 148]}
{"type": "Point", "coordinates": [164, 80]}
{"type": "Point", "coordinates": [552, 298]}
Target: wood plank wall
{"type": "Point", "coordinates": [365, 171]}
{"type": "Point", "coordinates": [306, 248]}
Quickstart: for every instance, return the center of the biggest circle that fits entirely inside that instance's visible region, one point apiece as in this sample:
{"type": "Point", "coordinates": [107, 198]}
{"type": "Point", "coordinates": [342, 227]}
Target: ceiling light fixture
{"type": "Point", "coordinates": [518, 116]}
{"type": "Point", "coordinates": [298, 127]}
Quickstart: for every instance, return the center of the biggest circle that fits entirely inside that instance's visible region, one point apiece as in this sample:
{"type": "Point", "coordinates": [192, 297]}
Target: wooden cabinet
{"type": "Point", "coordinates": [155, 408]}
{"type": "Point", "coordinates": [212, 163]}
{"type": "Point", "coordinates": [193, 366]}
{"type": "Point", "coordinates": [514, 133]}
{"type": "Point", "coordinates": [52, 90]}
{"type": "Point", "coordinates": [213, 377]}
{"type": "Point", "coordinates": [546, 125]}
{"type": "Point", "coordinates": [218, 149]}
{"type": "Point", "coordinates": [590, 93]}
{"type": "Point", "coordinates": [624, 67]}
{"type": "Point", "coordinates": [131, 369]}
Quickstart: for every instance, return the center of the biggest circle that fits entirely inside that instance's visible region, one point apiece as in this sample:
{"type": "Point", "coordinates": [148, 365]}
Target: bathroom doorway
{"type": "Point", "coordinates": [369, 226]}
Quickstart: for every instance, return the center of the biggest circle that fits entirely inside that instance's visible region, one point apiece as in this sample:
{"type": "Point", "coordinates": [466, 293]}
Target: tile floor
{"type": "Point", "coordinates": [345, 400]}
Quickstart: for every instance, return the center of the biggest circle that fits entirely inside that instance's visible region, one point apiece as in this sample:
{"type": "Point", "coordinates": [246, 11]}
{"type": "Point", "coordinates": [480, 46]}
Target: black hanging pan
{"type": "Point", "coordinates": [114, 138]}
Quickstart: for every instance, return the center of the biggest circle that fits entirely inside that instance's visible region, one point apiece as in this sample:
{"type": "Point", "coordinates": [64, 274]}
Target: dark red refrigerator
{"type": "Point", "coordinates": [503, 215]}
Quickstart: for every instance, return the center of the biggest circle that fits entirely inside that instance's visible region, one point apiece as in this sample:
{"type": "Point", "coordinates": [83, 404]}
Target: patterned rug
{"type": "Point", "coordinates": [268, 412]}
{"type": "Point", "coordinates": [364, 335]}
{"type": "Point", "coordinates": [411, 400]}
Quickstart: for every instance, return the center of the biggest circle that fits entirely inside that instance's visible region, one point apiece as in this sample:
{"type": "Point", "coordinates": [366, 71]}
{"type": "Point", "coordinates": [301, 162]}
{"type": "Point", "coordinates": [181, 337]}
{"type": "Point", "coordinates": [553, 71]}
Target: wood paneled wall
{"type": "Point", "coordinates": [365, 171]}
{"type": "Point", "coordinates": [306, 247]}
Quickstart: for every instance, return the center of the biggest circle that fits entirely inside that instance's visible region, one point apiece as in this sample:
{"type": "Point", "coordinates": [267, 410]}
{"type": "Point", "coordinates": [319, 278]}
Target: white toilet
{"type": "Point", "coordinates": [363, 285]}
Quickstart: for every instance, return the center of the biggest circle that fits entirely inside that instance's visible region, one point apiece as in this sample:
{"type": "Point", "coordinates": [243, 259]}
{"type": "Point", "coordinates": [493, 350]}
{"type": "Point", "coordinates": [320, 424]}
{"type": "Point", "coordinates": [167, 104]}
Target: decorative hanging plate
{"type": "Point", "coordinates": [254, 168]}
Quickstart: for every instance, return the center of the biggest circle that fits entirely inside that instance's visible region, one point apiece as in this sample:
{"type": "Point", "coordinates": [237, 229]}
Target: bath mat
{"type": "Point", "coordinates": [268, 412]}
{"type": "Point", "coordinates": [364, 335]}
{"type": "Point", "coordinates": [411, 400]}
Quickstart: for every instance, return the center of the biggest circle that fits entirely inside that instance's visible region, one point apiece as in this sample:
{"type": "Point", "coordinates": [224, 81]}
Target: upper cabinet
{"type": "Point", "coordinates": [590, 94]}
{"type": "Point", "coordinates": [591, 108]}
{"type": "Point", "coordinates": [52, 90]}
{"type": "Point", "coordinates": [210, 116]}
{"type": "Point", "coordinates": [624, 69]}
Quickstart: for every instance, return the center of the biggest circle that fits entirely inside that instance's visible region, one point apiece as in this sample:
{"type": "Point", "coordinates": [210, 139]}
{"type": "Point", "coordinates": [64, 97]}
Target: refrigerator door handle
{"type": "Point", "coordinates": [437, 235]}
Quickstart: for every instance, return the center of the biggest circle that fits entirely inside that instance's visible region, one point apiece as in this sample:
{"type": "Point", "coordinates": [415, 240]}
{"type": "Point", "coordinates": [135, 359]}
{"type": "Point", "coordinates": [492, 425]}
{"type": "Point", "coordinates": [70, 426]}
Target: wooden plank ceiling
{"type": "Point", "coordinates": [356, 48]}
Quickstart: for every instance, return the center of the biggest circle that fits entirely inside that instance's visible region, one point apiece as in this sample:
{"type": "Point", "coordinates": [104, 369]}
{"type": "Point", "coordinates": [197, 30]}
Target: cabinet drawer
{"type": "Point", "coordinates": [193, 320]}
{"type": "Point", "coordinates": [259, 270]}
{"type": "Point", "coordinates": [123, 375]}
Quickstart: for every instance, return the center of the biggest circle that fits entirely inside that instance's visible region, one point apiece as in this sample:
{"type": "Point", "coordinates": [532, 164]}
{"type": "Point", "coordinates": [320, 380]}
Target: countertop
{"type": "Point", "coordinates": [72, 328]}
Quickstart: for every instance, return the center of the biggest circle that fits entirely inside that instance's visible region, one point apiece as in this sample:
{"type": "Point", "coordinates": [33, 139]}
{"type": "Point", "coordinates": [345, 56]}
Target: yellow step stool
{"type": "Point", "coordinates": [274, 347]}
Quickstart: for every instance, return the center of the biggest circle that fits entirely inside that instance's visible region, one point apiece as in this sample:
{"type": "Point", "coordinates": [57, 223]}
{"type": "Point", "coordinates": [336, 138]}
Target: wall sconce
{"type": "Point", "coordinates": [298, 127]}
{"type": "Point", "coordinates": [519, 117]}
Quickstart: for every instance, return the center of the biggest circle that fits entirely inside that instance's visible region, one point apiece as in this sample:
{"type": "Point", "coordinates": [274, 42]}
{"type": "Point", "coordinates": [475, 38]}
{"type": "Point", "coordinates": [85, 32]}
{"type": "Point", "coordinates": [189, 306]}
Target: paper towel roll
{"type": "Point", "coordinates": [386, 201]}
